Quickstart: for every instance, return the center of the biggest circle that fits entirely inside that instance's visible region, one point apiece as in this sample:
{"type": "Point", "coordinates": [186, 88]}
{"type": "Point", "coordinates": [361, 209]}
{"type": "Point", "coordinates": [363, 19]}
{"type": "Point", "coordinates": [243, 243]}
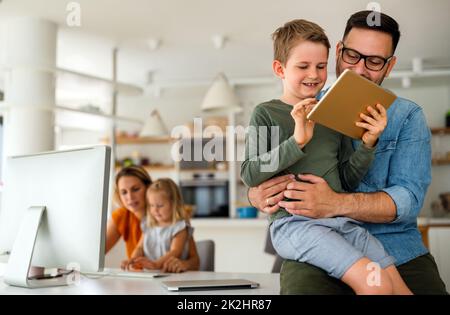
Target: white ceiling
{"type": "Point", "coordinates": [186, 27]}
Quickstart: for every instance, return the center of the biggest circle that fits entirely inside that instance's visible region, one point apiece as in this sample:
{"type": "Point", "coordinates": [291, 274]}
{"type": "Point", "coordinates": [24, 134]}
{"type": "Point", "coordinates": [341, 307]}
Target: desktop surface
{"type": "Point", "coordinates": [269, 285]}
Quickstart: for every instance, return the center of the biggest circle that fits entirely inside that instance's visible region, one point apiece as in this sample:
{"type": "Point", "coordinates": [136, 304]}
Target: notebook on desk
{"type": "Point", "coordinates": [218, 284]}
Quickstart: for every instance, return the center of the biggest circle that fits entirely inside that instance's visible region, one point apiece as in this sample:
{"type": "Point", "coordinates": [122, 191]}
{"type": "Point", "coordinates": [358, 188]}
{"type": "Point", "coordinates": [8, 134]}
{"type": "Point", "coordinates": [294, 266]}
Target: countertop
{"type": "Point", "coordinates": [430, 221]}
{"type": "Point", "coordinates": [229, 222]}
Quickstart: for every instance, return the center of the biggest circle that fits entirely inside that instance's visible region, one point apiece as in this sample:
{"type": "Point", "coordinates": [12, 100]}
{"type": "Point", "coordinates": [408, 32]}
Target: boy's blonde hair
{"type": "Point", "coordinates": [293, 32]}
{"type": "Point", "coordinates": [168, 187]}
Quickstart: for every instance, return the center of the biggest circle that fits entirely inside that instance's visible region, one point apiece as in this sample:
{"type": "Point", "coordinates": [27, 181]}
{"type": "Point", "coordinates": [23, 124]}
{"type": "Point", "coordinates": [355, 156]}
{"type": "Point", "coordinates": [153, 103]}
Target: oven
{"type": "Point", "coordinates": [206, 191]}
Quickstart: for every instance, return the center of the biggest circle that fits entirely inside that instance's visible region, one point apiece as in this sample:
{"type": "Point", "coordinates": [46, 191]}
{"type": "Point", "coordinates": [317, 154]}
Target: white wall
{"type": "Point", "coordinates": [432, 94]}
{"type": "Point", "coordinates": [84, 52]}
{"type": "Point", "coordinates": [77, 137]}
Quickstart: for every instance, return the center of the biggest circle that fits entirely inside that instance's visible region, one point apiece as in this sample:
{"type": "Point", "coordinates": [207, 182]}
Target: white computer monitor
{"type": "Point", "coordinates": [73, 187]}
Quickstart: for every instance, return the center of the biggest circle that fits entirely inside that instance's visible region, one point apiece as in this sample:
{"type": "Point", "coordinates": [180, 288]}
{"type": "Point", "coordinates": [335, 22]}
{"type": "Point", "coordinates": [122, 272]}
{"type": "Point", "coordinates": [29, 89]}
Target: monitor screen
{"type": "Point", "coordinates": [73, 185]}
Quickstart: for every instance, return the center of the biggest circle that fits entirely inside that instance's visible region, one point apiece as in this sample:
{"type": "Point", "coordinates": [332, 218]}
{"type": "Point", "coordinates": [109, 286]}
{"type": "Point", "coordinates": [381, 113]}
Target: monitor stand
{"type": "Point", "coordinates": [19, 264]}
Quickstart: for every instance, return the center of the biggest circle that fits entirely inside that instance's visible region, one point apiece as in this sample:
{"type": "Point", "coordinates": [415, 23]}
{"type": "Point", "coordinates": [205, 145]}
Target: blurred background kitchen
{"type": "Point", "coordinates": [126, 73]}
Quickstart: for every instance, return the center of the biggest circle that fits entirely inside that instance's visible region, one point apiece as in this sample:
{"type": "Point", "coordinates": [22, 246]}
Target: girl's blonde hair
{"type": "Point", "coordinates": [167, 186]}
{"type": "Point", "coordinates": [131, 171]}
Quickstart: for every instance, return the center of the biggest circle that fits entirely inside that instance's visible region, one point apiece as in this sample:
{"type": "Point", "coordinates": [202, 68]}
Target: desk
{"type": "Point", "coordinates": [269, 285]}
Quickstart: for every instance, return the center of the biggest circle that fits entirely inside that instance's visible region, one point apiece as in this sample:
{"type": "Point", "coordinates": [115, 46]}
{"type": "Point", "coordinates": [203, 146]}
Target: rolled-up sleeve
{"type": "Point", "coordinates": [410, 168]}
{"type": "Point", "coordinates": [402, 198]}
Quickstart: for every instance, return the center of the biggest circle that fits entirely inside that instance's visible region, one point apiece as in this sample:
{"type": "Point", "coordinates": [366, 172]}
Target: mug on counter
{"type": "Point", "coordinates": [247, 212]}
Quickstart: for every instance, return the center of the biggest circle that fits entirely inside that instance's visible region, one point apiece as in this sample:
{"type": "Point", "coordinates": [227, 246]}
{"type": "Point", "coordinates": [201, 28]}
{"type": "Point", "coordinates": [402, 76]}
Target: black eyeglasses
{"type": "Point", "coordinates": [374, 63]}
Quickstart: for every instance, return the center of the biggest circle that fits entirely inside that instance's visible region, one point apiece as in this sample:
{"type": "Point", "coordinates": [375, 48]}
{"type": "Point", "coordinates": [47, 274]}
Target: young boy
{"type": "Point", "coordinates": [294, 145]}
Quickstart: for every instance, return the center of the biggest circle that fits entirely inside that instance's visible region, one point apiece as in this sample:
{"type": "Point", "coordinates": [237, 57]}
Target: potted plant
{"type": "Point", "coordinates": [447, 119]}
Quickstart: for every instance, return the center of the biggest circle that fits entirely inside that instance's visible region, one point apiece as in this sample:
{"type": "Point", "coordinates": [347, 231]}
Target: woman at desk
{"type": "Point", "coordinates": [130, 188]}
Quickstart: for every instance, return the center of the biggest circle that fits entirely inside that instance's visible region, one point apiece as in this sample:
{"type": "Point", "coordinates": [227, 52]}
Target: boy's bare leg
{"type": "Point", "coordinates": [399, 286]}
{"type": "Point", "coordinates": [357, 277]}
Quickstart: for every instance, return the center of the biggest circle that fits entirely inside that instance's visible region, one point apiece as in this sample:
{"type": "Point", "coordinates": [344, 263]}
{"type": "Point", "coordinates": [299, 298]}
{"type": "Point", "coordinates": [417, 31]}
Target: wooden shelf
{"type": "Point", "coordinates": [211, 138]}
{"type": "Point", "coordinates": [439, 131]}
{"type": "Point", "coordinates": [440, 161]}
{"type": "Point", "coordinates": [203, 170]}
{"type": "Point", "coordinates": [151, 168]}
{"type": "Point", "coordinates": [160, 168]}
{"type": "Point", "coordinates": [142, 140]}
{"type": "Point", "coordinates": [151, 140]}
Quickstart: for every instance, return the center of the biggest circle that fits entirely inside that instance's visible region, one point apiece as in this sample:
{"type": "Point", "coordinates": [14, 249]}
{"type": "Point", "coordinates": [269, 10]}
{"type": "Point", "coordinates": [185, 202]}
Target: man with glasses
{"type": "Point", "coordinates": [373, 63]}
{"type": "Point", "coordinates": [390, 196]}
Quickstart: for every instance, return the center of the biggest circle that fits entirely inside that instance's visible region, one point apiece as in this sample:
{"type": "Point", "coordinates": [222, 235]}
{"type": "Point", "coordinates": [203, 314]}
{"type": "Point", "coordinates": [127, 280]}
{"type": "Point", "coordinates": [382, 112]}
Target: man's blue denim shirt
{"type": "Point", "coordinates": [402, 169]}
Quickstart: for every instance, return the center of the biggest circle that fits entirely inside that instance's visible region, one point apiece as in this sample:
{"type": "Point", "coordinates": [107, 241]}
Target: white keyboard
{"type": "Point", "coordinates": [113, 272]}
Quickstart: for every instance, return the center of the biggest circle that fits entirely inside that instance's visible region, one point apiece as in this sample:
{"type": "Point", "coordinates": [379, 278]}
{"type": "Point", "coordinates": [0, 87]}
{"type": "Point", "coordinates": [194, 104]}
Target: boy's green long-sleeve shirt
{"type": "Point", "coordinates": [329, 154]}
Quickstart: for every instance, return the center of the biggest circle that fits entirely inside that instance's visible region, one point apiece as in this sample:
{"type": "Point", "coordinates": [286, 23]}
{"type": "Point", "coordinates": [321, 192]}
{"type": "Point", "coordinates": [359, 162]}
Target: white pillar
{"type": "Point", "coordinates": [232, 161]}
{"type": "Point", "coordinates": [30, 60]}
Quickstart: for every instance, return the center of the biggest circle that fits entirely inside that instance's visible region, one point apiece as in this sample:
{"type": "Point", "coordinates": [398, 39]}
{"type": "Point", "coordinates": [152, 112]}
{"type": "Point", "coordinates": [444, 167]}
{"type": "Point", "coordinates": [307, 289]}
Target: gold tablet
{"type": "Point", "coordinates": [349, 96]}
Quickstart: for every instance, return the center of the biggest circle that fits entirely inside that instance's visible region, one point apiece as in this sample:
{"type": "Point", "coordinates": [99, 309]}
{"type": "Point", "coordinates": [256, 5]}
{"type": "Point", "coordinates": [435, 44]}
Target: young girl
{"type": "Point", "coordinates": [165, 228]}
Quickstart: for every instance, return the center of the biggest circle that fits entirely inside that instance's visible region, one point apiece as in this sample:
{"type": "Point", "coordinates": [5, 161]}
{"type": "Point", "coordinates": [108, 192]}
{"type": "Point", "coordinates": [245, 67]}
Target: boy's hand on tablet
{"type": "Point", "coordinates": [374, 124]}
{"type": "Point", "coordinates": [304, 128]}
